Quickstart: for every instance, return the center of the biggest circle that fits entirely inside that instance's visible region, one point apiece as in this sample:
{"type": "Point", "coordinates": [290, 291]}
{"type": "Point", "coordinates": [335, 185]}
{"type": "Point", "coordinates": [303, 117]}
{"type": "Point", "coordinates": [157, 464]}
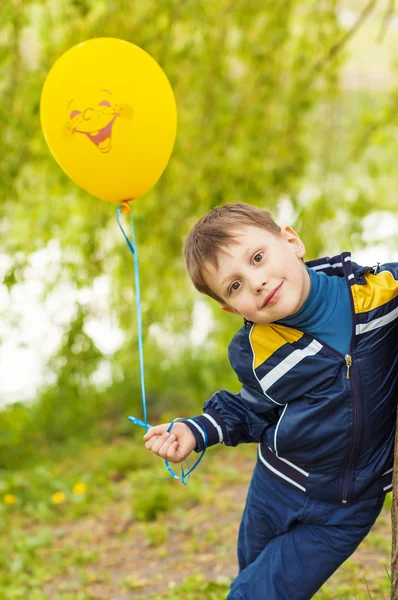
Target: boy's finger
{"type": "Point", "coordinates": [159, 442]}
{"type": "Point", "coordinates": [149, 443]}
{"type": "Point", "coordinates": [167, 443]}
{"type": "Point", "coordinates": [158, 430]}
{"type": "Point", "coordinates": [150, 433]}
{"type": "Point", "coordinates": [173, 455]}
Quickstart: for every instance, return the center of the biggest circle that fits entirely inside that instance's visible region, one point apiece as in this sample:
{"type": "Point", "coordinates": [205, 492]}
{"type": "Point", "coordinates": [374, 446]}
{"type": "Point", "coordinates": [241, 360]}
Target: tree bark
{"type": "Point", "coordinates": [394, 520]}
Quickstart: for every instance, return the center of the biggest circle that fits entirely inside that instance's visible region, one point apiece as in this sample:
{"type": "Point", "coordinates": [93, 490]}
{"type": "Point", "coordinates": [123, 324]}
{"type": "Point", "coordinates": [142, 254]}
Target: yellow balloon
{"type": "Point", "coordinates": [109, 117]}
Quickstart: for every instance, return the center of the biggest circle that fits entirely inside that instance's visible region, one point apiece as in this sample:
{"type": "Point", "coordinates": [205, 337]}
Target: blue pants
{"type": "Point", "coordinates": [289, 544]}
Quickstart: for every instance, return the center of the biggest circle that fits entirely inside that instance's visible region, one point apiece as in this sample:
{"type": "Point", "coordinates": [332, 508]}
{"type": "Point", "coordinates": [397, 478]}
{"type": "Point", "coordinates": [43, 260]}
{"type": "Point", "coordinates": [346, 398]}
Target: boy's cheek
{"type": "Point", "coordinates": [231, 310]}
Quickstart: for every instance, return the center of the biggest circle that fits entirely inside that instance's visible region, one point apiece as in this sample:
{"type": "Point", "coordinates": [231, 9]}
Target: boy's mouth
{"type": "Point", "coordinates": [273, 296]}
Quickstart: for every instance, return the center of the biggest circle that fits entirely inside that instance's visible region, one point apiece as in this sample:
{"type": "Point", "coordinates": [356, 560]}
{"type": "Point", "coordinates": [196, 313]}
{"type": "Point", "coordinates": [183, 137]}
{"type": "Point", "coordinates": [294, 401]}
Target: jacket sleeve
{"type": "Point", "coordinates": [393, 282]}
{"type": "Point", "coordinates": [388, 294]}
{"type": "Point", "coordinates": [236, 418]}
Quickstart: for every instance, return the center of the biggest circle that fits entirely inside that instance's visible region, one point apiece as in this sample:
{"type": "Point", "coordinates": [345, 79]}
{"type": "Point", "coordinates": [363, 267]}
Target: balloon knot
{"type": "Point", "coordinates": [126, 209]}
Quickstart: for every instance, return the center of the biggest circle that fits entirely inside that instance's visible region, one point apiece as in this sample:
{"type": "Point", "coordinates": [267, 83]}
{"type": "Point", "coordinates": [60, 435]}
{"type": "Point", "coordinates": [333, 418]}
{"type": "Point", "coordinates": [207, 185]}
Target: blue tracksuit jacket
{"type": "Point", "coordinates": [325, 422]}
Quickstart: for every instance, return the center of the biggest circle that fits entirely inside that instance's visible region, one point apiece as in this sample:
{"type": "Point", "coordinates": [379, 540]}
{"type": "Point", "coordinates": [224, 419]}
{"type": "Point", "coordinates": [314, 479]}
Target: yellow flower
{"type": "Point", "coordinates": [79, 488]}
{"type": "Point", "coordinates": [58, 498]}
{"type": "Point", "coordinates": [10, 499]}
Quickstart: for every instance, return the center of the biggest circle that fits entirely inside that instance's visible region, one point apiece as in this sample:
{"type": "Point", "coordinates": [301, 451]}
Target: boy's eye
{"type": "Point", "coordinates": [235, 286]}
{"type": "Point", "coordinates": [258, 257]}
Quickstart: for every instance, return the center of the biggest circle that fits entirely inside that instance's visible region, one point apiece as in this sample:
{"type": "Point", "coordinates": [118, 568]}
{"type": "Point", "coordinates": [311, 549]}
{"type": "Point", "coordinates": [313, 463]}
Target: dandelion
{"type": "Point", "coordinates": [58, 498]}
{"type": "Point", "coordinates": [10, 499]}
{"type": "Point", "coordinates": [79, 488]}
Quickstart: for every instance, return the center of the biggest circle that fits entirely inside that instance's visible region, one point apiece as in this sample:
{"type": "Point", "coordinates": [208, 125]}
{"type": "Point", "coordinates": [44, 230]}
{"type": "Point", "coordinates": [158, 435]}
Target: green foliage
{"type": "Point", "coordinates": [262, 118]}
{"type": "Point", "coordinates": [124, 458]}
{"type": "Point", "coordinates": [85, 545]}
{"type": "Point", "coordinates": [148, 506]}
{"type": "Point", "coordinates": [16, 437]}
{"type": "Point", "coordinates": [197, 588]}
{"type": "Point", "coordinates": [156, 534]}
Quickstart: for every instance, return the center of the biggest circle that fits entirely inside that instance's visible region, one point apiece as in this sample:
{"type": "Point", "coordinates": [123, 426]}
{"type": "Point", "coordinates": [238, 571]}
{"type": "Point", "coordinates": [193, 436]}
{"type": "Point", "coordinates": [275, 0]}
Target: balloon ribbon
{"type": "Point", "coordinates": [133, 248]}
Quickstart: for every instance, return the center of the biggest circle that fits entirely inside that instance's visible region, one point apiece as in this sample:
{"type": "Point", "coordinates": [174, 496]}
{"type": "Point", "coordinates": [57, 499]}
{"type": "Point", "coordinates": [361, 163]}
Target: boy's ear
{"type": "Point", "coordinates": [294, 239]}
{"type": "Point", "coordinates": [228, 309]}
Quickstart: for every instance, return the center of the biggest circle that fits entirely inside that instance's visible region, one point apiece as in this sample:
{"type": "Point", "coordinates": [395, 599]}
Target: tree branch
{"type": "Point", "coordinates": [386, 21]}
{"type": "Point", "coordinates": [338, 46]}
{"type": "Point", "coordinates": [363, 143]}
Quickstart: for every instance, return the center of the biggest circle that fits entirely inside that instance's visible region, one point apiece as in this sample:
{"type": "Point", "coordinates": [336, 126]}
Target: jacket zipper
{"type": "Point", "coordinates": [356, 407]}
{"type": "Point", "coordinates": [346, 496]}
{"type": "Point", "coordinates": [348, 362]}
{"type": "Point", "coordinates": [356, 416]}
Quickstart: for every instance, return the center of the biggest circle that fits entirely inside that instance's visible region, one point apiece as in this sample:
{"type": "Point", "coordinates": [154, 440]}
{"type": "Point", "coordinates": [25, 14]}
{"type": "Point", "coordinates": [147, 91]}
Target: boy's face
{"type": "Point", "coordinates": [261, 276]}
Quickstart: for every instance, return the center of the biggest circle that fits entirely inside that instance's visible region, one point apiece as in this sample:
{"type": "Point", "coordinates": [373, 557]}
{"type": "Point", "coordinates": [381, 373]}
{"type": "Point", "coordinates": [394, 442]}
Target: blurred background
{"type": "Point", "coordinates": [291, 106]}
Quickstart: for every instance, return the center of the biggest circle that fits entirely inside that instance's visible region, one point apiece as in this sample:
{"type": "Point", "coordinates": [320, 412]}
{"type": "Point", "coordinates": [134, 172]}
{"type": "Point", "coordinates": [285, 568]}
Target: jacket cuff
{"type": "Point", "coordinates": [214, 426]}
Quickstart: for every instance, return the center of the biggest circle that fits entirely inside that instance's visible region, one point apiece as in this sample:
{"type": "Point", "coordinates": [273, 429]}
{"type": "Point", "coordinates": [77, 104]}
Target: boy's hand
{"type": "Point", "coordinates": [175, 445]}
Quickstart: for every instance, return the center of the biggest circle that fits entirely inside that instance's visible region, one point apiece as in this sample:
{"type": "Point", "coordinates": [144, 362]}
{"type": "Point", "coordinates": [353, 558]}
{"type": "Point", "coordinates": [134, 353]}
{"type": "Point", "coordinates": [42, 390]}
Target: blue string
{"type": "Point", "coordinates": [185, 476]}
{"type": "Point", "coordinates": [133, 248]}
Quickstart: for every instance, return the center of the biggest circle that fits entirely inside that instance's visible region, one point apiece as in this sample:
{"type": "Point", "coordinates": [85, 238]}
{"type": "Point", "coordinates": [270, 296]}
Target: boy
{"type": "Point", "coordinates": [318, 362]}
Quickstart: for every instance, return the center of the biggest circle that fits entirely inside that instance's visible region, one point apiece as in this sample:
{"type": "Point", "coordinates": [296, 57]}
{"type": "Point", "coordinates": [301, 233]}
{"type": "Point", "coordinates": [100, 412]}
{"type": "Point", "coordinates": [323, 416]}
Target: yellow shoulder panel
{"type": "Point", "coordinates": [379, 290]}
{"type": "Point", "coordinates": [267, 339]}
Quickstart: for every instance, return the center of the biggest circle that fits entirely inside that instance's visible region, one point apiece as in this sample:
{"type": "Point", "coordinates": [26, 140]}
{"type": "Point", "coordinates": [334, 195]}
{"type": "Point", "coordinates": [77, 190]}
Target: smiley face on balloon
{"type": "Point", "coordinates": [94, 118]}
{"type": "Point", "coordinates": [109, 117]}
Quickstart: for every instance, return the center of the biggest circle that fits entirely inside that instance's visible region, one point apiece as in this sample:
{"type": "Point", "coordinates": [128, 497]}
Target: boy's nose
{"type": "Point", "coordinates": [258, 286]}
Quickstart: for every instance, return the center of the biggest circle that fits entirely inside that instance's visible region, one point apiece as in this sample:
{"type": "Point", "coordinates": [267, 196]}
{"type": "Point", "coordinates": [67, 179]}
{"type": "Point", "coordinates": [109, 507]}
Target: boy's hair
{"type": "Point", "coordinates": [214, 231]}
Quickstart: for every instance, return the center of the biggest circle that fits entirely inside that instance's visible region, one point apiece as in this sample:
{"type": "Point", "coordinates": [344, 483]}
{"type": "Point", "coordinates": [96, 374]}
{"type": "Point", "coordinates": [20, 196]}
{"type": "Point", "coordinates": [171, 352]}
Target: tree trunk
{"type": "Point", "coordinates": [394, 519]}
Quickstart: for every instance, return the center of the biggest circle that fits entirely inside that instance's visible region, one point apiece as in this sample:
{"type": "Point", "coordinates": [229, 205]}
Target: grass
{"type": "Point", "coordinates": [99, 525]}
